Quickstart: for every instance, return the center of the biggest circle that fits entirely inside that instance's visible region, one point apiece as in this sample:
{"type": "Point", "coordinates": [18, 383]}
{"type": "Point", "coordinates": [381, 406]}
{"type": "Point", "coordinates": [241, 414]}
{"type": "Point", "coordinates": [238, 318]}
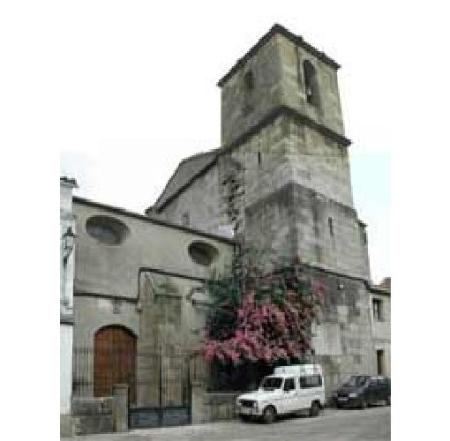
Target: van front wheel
{"type": "Point", "coordinates": [269, 414]}
{"type": "Point", "coordinates": [315, 409]}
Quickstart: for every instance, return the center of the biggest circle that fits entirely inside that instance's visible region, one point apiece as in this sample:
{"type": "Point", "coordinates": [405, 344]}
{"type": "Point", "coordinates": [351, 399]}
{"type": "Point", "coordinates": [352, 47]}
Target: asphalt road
{"type": "Point", "coordinates": [334, 425]}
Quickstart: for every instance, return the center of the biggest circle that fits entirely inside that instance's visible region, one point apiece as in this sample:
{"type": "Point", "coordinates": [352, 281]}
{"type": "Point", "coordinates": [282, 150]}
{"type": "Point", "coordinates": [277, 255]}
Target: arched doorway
{"type": "Point", "coordinates": [114, 360]}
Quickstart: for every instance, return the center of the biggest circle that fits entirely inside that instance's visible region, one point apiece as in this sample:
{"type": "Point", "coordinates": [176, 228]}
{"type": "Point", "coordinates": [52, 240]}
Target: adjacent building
{"type": "Point", "coordinates": [67, 253]}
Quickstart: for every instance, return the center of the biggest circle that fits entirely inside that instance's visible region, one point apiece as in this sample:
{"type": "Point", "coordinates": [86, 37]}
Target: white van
{"type": "Point", "coordinates": [290, 389]}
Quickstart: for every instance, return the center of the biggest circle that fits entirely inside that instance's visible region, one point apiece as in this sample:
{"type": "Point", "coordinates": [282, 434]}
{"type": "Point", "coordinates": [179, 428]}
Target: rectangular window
{"type": "Point", "coordinates": [377, 306]}
{"type": "Point", "coordinates": [364, 236]}
{"type": "Point", "coordinates": [330, 226]}
{"type": "Point", "coordinates": [185, 221]}
{"type": "Point", "coordinates": [380, 362]}
{"type": "Point", "coordinates": [309, 381]}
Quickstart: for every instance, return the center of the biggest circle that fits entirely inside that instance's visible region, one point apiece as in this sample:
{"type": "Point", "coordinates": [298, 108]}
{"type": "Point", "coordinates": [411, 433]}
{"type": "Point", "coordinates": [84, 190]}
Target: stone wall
{"type": "Point", "coordinates": [201, 201]}
{"type": "Point", "coordinates": [212, 406]}
{"type": "Point", "coordinates": [148, 284]}
{"type": "Point", "coordinates": [93, 415]}
{"type": "Point", "coordinates": [298, 222]}
{"type": "Point", "coordinates": [343, 336]}
{"type": "Point", "coordinates": [241, 109]}
{"type": "Point", "coordinates": [113, 269]}
{"type": "Point", "coordinates": [291, 58]}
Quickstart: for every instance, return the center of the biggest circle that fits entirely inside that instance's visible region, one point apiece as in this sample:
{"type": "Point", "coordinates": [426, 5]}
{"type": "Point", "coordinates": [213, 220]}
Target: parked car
{"type": "Point", "coordinates": [290, 389]}
{"type": "Point", "coordinates": [363, 390]}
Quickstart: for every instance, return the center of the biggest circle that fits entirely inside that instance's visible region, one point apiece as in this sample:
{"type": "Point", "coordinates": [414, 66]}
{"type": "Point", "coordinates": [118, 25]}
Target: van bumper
{"type": "Point", "coordinates": [248, 411]}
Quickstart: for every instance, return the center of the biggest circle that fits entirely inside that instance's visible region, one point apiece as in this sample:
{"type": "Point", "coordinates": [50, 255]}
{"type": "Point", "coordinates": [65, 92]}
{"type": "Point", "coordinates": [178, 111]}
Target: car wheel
{"type": "Point", "coordinates": [269, 414]}
{"type": "Point", "coordinates": [315, 409]}
{"type": "Point", "coordinates": [362, 403]}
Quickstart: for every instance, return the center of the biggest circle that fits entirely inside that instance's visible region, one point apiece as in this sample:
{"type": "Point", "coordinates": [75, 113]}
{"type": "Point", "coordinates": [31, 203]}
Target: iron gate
{"type": "Point", "coordinates": [163, 391]}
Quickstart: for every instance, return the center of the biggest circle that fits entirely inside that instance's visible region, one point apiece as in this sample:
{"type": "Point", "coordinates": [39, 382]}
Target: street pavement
{"type": "Point", "coordinates": [372, 424]}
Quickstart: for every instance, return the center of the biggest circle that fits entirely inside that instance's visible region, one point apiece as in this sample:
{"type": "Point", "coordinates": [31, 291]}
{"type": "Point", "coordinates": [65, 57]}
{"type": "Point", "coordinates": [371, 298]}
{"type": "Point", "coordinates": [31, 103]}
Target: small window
{"type": "Point", "coordinates": [309, 381]}
{"type": "Point", "coordinates": [185, 221]}
{"type": "Point", "coordinates": [380, 362]}
{"type": "Point", "coordinates": [330, 226]}
{"type": "Point", "coordinates": [249, 81]}
{"type": "Point", "coordinates": [377, 309]}
{"type": "Point", "coordinates": [363, 232]}
{"type": "Point", "coordinates": [364, 237]}
{"type": "Point", "coordinates": [311, 86]}
{"type": "Point", "coordinates": [289, 384]}
{"type": "Point", "coordinates": [202, 253]}
{"type": "Point", "coordinates": [106, 230]}
{"type": "Point", "coordinates": [259, 159]}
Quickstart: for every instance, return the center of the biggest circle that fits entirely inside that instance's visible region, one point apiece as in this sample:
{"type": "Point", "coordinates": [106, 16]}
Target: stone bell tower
{"type": "Point", "coordinates": [282, 118]}
{"type": "Point", "coordinates": [281, 69]}
{"type": "Point", "coordinates": [282, 174]}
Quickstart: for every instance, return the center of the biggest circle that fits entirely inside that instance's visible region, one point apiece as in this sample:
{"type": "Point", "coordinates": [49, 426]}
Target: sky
{"type": "Point", "coordinates": [140, 94]}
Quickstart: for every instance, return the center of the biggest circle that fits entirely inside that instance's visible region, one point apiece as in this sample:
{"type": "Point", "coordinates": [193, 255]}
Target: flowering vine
{"type": "Point", "coordinates": [261, 318]}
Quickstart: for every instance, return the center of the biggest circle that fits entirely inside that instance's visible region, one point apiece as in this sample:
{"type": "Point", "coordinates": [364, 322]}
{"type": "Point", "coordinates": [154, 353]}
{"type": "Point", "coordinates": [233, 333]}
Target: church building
{"type": "Point", "coordinates": [279, 185]}
{"type": "Point", "coordinates": [284, 164]}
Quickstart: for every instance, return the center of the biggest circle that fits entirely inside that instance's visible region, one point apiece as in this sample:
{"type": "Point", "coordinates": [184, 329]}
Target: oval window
{"type": "Point", "coordinates": [202, 253]}
{"type": "Point", "coordinates": [106, 230]}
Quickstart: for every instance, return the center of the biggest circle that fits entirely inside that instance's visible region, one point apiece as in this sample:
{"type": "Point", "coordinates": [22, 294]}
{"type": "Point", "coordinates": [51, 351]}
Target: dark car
{"type": "Point", "coordinates": [362, 390]}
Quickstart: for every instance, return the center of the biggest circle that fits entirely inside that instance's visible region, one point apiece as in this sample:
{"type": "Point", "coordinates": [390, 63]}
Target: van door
{"type": "Point", "coordinates": [303, 400]}
{"type": "Point", "coordinates": [289, 395]}
{"type": "Point", "coordinates": [310, 390]}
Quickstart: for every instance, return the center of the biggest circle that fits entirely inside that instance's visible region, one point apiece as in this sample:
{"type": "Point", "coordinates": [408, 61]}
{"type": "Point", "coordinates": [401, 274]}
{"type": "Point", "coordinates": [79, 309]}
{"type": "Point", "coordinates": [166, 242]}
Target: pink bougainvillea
{"type": "Point", "coordinates": [264, 327]}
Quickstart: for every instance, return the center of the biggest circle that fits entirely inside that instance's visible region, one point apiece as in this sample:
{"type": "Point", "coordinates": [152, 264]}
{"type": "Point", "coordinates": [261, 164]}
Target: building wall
{"type": "Point", "coordinates": [148, 284]}
{"type": "Point", "coordinates": [65, 368]}
{"type": "Point", "coordinates": [67, 221]}
{"type": "Point", "coordinates": [201, 201]}
{"type": "Point", "coordinates": [291, 59]}
{"type": "Point", "coordinates": [241, 110]}
{"type": "Point", "coordinates": [113, 269]}
{"type": "Point", "coordinates": [343, 335]}
{"type": "Point", "coordinates": [382, 329]}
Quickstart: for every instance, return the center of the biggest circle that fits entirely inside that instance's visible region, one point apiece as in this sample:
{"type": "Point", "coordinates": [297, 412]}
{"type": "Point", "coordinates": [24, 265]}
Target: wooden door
{"type": "Point", "coordinates": [114, 361]}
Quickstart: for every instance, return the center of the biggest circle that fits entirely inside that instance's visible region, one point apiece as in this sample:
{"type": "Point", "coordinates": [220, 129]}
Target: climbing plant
{"type": "Point", "coordinates": [260, 318]}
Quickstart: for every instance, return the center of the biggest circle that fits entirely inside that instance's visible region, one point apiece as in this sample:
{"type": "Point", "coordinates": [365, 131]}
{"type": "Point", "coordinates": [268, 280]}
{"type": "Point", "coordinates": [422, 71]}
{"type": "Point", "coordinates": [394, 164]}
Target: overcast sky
{"type": "Point", "coordinates": [140, 92]}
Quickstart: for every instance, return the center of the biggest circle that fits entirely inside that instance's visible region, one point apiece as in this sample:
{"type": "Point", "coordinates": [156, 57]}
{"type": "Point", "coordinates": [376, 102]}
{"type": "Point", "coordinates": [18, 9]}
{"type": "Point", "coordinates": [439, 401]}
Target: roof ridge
{"type": "Point", "coordinates": [196, 155]}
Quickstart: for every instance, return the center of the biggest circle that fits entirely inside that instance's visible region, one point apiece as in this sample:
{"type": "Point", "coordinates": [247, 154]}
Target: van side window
{"type": "Point", "coordinates": [310, 381]}
{"type": "Point", "coordinates": [289, 384]}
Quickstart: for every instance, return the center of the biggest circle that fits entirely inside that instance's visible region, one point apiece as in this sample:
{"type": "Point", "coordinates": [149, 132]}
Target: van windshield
{"type": "Point", "coordinates": [271, 383]}
{"type": "Point", "coordinates": [356, 380]}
